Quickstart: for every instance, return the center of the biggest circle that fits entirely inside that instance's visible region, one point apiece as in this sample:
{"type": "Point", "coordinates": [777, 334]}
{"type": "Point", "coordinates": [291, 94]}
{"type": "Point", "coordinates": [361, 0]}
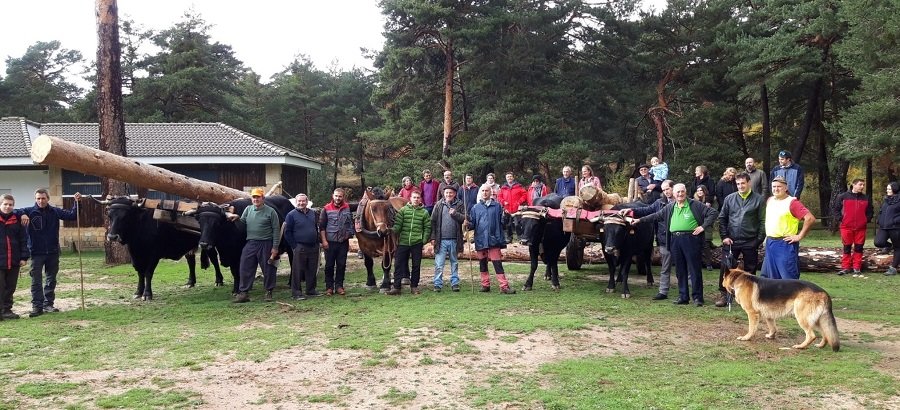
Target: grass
{"type": "Point", "coordinates": [193, 328]}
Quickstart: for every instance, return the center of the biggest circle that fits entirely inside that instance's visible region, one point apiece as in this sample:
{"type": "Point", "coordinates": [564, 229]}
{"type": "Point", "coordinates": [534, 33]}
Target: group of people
{"type": "Point", "coordinates": [750, 212]}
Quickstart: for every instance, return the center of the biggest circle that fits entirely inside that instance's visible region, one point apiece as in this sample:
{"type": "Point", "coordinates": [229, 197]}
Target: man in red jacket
{"type": "Point", "coordinates": [511, 196]}
{"type": "Point", "coordinates": [853, 210]}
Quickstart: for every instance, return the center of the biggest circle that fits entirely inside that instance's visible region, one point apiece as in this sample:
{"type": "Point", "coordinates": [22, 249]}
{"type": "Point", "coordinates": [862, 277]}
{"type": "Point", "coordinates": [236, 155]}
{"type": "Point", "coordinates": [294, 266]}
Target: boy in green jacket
{"type": "Point", "coordinates": [413, 227]}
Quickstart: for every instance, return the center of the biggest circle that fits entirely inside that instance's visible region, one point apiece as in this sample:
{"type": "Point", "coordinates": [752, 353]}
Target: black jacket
{"type": "Point", "coordinates": [743, 220]}
{"type": "Point", "coordinates": [13, 240]}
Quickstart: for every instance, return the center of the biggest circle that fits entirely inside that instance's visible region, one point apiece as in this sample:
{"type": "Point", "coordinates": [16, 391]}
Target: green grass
{"type": "Point", "coordinates": [193, 328]}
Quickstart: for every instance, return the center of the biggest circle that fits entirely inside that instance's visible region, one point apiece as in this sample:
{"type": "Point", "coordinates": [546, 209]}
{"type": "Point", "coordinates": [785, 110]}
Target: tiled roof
{"type": "Point", "coordinates": [176, 140]}
{"type": "Point", "coordinates": [14, 139]}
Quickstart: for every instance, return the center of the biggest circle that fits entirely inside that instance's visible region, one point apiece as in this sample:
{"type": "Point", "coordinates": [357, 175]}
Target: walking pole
{"type": "Point", "coordinates": [78, 249]}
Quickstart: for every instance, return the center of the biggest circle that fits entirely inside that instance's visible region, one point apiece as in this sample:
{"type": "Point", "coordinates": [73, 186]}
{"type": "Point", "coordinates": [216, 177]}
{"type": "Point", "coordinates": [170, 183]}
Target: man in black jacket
{"type": "Point", "coordinates": [741, 226]}
{"type": "Point", "coordinates": [685, 221]}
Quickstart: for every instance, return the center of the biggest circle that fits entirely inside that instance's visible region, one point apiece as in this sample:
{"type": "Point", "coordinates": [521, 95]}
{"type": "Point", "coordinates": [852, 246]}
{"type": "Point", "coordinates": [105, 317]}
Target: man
{"type": "Point", "coordinates": [412, 225]}
{"type": "Point", "coordinates": [335, 230]}
{"type": "Point", "coordinates": [853, 210]}
{"type": "Point", "coordinates": [486, 221]}
{"type": "Point", "coordinates": [783, 215]}
{"type": "Point", "coordinates": [14, 255]}
{"type": "Point", "coordinates": [448, 181]}
{"type": "Point", "coordinates": [565, 185]}
{"type": "Point", "coordinates": [791, 172]}
{"type": "Point", "coordinates": [661, 234]}
{"type": "Point", "coordinates": [430, 189]}
{"type": "Point", "coordinates": [407, 188]}
{"type": "Point", "coordinates": [685, 220]}
{"type": "Point", "coordinates": [263, 237]}
{"type": "Point", "coordinates": [536, 190]}
{"type": "Point", "coordinates": [646, 185]}
{"type": "Point", "coordinates": [469, 193]}
{"type": "Point", "coordinates": [446, 232]}
{"type": "Point", "coordinates": [301, 231]}
{"type": "Point", "coordinates": [758, 181]}
{"type": "Point", "coordinates": [741, 227]}
{"type": "Point", "coordinates": [43, 243]}
{"type": "Point", "coordinates": [511, 196]}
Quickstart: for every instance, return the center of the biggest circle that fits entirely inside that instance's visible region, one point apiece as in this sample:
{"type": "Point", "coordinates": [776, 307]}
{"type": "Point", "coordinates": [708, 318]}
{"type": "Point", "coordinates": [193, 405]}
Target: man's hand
{"type": "Point", "coordinates": [274, 253]}
{"type": "Point", "coordinates": [697, 231]}
{"type": "Point", "coordinates": [77, 196]}
{"type": "Point", "coordinates": [23, 262]}
{"type": "Point", "coordinates": [727, 241]}
{"type": "Point", "coordinates": [231, 217]}
{"type": "Point", "coordinates": [792, 238]}
{"type": "Point", "coordinates": [25, 220]}
{"type": "Point", "coordinates": [325, 245]}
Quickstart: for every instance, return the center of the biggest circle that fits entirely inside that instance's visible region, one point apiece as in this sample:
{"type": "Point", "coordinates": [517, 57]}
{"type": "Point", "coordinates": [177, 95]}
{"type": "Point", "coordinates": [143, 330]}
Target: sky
{"type": "Point", "coordinates": [265, 34]}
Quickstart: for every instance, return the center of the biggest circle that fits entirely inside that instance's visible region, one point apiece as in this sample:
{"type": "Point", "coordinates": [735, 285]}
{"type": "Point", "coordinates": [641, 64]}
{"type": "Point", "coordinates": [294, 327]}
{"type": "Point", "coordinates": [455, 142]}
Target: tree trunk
{"type": "Point", "coordinates": [58, 152]}
{"type": "Point", "coordinates": [448, 102]}
{"type": "Point", "coordinates": [109, 106]}
{"type": "Point", "coordinates": [812, 110]}
{"type": "Point", "coordinates": [825, 188]}
{"type": "Point", "coordinates": [838, 186]}
{"type": "Point", "coordinates": [869, 181]}
{"type": "Point", "coordinates": [658, 113]}
{"type": "Point", "coordinates": [766, 129]}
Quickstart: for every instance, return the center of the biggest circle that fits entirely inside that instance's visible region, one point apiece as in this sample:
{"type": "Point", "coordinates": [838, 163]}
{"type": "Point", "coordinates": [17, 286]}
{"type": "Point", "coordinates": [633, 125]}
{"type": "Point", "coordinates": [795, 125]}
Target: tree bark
{"type": "Point", "coordinates": [812, 110]}
{"type": "Point", "coordinates": [109, 106]}
{"type": "Point", "coordinates": [766, 129]}
{"type": "Point", "coordinates": [658, 113]}
{"type": "Point", "coordinates": [448, 101]}
{"type": "Point", "coordinates": [58, 152]}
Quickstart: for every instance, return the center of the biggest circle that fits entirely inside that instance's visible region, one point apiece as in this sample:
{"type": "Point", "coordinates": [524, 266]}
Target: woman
{"type": "Point", "coordinates": [888, 233]}
{"type": "Point", "coordinates": [588, 178]}
{"type": "Point", "coordinates": [702, 195]}
{"type": "Point", "coordinates": [725, 186]}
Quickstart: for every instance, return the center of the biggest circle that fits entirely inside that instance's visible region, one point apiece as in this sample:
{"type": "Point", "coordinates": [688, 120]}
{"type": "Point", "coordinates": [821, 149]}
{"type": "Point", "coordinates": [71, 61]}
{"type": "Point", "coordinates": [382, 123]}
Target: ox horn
{"type": "Point", "coordinates": [190, 212]}
{"type": "Point", "coordinates": [106, 202]}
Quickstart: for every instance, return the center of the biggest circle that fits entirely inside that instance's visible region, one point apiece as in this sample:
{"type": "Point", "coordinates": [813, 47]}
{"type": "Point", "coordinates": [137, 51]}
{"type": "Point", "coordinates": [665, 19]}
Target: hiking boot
{"type": "Point", "coordinates": [404, 281]}
{"type": "Point", "coordinates": [35, 312]}
{"type": "Point", "coordinates": [843, 272]}
{"type": "Point", "coordinates": [268, 297]}
{"type": "Point", "coordinates": [313, 294]}
{"type": "Point", "coordinates": [437, 289]}
{"type": "Point", "coordinates": [50, 309]}
{"type": "Point", "coordinates": [485, 289]}
{"type": "Point", "coordinates": [341, 291]}
{"type": "Point", "coordinates": [415, 290]}
{"type": "Point", "coordinates": [721, 302]}
{"type": "Point", "coordinates": [329, 292]}
{"type": "Point", "coordinates": [526, 288]}
{"type": "Point", "coordinates": [455, 288]}
{"type": "Point", "coordinates": [299, 297]}
{"type": "Point", "coordinates": [891, 271]}
{"type": "Point", "coordinates": [660, 296]}
{"type": "Point", "coordinates": [857, 273]}
{"type": "Point", "coordinates": [9, 315]}
{"type": "Point", "coordinates": [241, 297]}
{"type": "Point", "coordinates": [393, 292]}
{"type": "Point", "coordinates": [507, 291]}
{"type": "Point", "coordinates": [698, 303]}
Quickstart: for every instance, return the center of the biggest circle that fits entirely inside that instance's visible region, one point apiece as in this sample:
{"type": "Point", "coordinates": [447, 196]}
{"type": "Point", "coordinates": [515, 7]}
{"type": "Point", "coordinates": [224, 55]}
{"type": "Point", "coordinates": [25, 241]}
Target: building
{"type": "Point", "coordinates": [212, 152]}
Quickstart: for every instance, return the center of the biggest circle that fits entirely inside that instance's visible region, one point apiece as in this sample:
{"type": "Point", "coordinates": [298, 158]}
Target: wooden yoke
{"type": "Point", "coordinates": [47, 150]}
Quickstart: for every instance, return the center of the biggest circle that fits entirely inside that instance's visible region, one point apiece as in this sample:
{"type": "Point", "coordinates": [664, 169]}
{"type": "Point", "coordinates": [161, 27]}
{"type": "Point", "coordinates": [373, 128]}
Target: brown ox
{"type": "Point", "coordinates": [375, 234]}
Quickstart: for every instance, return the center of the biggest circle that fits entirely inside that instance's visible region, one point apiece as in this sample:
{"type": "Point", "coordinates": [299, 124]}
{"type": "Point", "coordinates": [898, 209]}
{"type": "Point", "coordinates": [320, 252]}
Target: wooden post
{"type": "Point", "coordinates": [58, 152]}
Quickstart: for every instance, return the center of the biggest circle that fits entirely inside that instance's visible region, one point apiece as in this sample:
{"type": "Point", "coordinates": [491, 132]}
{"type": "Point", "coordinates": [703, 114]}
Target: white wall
{"type": "Point", "coordinates": [21, 184]}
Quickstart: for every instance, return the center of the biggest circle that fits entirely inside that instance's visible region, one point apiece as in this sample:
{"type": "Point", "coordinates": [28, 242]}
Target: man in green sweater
{"type": "Point", "coordinates": [263, 238]}
{"type": "Point", "coordinates": [413, 227]}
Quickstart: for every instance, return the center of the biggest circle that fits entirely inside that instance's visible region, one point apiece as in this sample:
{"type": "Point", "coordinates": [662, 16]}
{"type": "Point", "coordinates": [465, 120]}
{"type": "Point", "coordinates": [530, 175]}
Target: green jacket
{"type": "Point", "coordinates": [412, 225]}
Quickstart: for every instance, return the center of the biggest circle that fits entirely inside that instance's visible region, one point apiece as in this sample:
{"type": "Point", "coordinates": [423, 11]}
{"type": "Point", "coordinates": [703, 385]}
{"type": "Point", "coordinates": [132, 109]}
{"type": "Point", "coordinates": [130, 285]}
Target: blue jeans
{"type": "Point", "coordinates": [43, 293]}
{"type": "Point", "coordinates": [447, 247]}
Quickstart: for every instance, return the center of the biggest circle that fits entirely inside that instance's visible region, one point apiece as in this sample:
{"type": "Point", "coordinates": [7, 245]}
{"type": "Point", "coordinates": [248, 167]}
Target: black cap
{"type": "Point", "coordinates": [446, 187]}
{"type": "Point", "coordinates": [537, 178]}
{"type": "Point", "coordinates": [643, 166]}
{"type": "Point", "coordinates": [784, 154]}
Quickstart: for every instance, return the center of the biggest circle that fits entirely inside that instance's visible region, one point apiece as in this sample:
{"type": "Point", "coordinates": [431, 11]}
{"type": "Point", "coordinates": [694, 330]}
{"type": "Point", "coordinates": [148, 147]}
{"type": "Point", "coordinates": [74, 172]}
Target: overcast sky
{"type": "Point", "coordinates": [264, 34]}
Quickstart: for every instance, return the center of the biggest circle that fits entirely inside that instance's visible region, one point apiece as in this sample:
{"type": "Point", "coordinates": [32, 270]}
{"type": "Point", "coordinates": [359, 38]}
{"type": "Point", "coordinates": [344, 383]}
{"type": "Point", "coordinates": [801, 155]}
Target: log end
{"type": "Point", "coordinates": [40, 148]}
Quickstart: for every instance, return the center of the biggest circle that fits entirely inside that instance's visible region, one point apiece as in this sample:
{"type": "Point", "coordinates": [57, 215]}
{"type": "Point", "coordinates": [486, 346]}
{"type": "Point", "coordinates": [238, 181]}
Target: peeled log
{"type": "Point", "coordinates": [58, 152]}
{"type": "Point", "coordinates": [592, 197]}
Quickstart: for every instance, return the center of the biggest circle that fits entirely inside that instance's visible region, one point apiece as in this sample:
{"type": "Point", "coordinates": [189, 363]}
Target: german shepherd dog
{"type": "Point", "coordinates": [775, 298]}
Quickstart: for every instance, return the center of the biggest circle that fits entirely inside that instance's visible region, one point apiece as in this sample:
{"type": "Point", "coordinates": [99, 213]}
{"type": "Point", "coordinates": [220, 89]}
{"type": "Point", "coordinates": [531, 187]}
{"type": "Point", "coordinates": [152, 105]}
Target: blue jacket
{"type": "Point", "coordinates": [794, 176]}
{"type": "Point", "coordinates": [485, 221]}
{"type": "Point", "coordinates": [660, 225]}
{"type": "Point", "coordinates": [301, 229]}
{"type": "Point", "coordinates": [565, 187]}
{"type": "Point", "coordinates": [43, 229]}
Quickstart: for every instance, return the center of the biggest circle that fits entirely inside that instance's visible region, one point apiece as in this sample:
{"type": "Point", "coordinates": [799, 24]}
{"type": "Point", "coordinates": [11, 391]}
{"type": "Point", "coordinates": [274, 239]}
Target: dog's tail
{"type": "Point", "coordinates": [829, 326]}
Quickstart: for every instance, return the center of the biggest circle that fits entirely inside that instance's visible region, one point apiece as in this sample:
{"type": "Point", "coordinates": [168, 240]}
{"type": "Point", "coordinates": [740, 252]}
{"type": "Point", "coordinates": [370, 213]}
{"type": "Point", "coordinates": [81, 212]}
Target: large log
{"type": "Point", "coordinates": [58, 152]}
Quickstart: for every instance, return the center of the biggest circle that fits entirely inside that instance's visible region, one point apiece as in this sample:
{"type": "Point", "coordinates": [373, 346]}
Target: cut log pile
{"type": "Point", "coordinates": [812, 259]}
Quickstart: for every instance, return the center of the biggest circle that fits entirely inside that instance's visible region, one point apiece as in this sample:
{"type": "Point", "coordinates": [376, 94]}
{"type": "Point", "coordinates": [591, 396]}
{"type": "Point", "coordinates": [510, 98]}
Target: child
{"type": "Point", "coordinates": [13, 235]}
{"type": "Point", "coordinates": [658, 170]}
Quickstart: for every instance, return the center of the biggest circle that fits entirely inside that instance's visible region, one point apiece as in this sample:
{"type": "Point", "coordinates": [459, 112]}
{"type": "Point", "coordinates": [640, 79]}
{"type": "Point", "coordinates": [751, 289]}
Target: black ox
{"type": "Point", "coordinates": [542, 233]}
{"type": "Point", "coordinates": [147, 239]}
{"type": "Point", "coordinates": [228, 238]}
{"type": "Point", "coordinates": [622, 242]}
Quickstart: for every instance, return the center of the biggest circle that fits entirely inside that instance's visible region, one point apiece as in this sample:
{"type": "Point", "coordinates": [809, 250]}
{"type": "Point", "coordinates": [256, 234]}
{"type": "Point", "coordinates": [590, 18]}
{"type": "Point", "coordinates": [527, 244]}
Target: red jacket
{"type": "Point", "coordinates": [529, 197]}
{"type": "Point", "coordinates": [512, 196]}
{"type": "Point", "coordinates": [853, 210]}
